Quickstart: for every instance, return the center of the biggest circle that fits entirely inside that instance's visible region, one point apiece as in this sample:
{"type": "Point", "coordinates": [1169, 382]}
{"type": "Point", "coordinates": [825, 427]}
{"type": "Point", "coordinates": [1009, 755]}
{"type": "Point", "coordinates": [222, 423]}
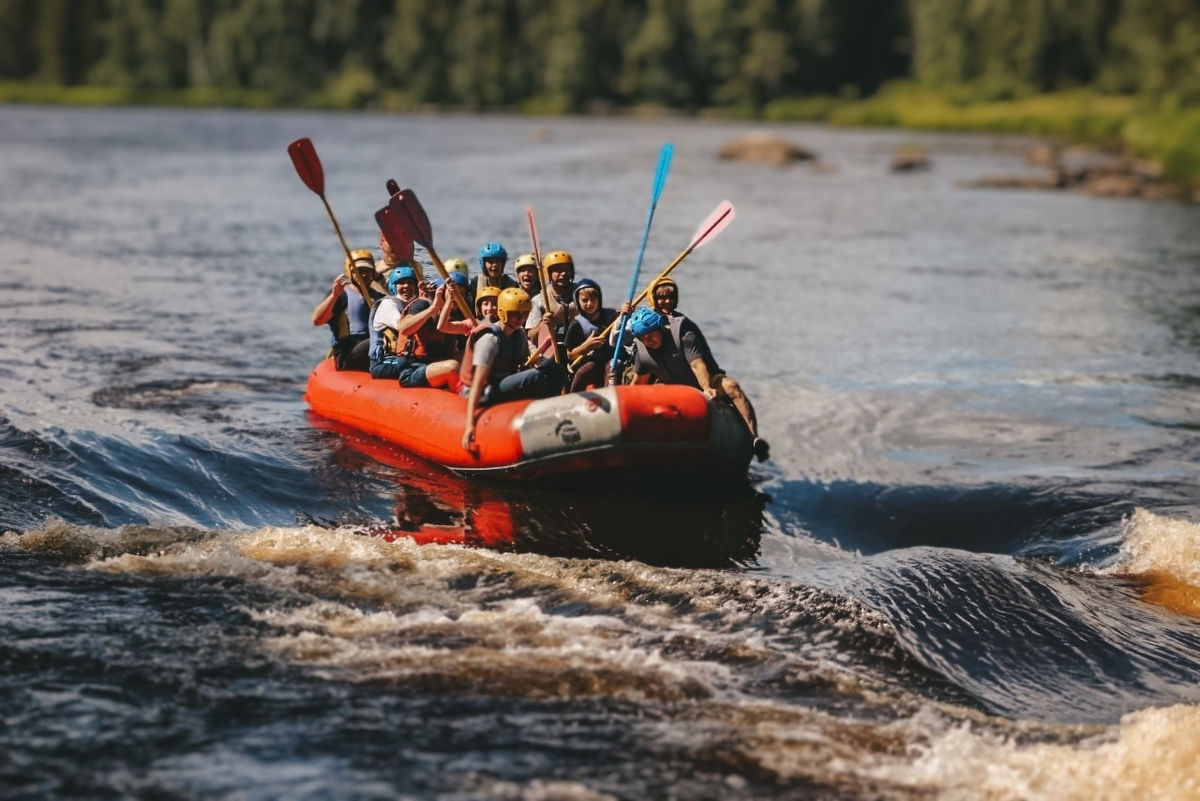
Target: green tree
{"type": "Point", "coordinates": [18, 55]}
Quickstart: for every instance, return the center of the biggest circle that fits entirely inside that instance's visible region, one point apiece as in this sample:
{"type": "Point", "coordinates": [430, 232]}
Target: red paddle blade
{"type": "Point", "coordinates": [537, 249]}
{"type": "Point", "coordinates": [722, 216]}
{"type": "Point", "coordinates": [395, 234]}
{"type": "Point", "coordinates": [408, 212]}
{"type": "Point", "coordinates": [308, 166]}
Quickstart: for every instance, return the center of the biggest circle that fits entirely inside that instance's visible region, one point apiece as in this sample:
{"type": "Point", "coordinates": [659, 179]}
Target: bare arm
{"type": "Point", "coordinates": [478, 378]}
{"type": "Point", "coordinates": [412, 322]}
{"type": "Point", "coordinates": [700, 370]}
{"type": "Point", "coordinates": [448, 326]}
{"type": "Point", "coordinates": [586, 346]}
{"type": "Point", "coordinates": [324, 310]}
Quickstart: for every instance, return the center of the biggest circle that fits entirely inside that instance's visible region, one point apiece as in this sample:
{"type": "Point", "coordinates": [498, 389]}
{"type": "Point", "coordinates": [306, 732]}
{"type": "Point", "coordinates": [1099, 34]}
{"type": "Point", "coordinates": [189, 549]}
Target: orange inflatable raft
{"type": "Point", "coordinates": [659, 429]}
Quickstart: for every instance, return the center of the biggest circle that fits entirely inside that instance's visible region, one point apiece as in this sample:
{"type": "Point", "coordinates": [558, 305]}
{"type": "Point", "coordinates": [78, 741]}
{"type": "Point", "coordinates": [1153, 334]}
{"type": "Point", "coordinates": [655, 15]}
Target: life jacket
{"type": "Point", "coordinates": [668, 363]}
{"type": "Point", "coordinates": [426, 344]}
{"type": "Point", "coordinates": [568, 304]}
{"type": "Point", "coordinates": [383, 343]}
{"type": "Point", "coordinates": [604, 317]}
{"type": "Point", "coordinates": [351, 316]}
{"type": "Point", "coordinates": [511, 358]}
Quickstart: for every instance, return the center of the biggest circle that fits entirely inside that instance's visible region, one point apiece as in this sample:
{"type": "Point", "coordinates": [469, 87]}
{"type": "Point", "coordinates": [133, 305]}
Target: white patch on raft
{"type": "Point", "coordinates": [575, 422]}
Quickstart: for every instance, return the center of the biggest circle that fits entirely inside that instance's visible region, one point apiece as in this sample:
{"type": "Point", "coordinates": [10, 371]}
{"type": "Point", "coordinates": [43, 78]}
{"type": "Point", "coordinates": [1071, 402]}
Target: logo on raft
{"type": "Point", "coordinates": [567, 432]}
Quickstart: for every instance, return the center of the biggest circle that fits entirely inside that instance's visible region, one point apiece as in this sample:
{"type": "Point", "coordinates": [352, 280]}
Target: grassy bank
{"type": "Point", "coordinates": [1171, 138]}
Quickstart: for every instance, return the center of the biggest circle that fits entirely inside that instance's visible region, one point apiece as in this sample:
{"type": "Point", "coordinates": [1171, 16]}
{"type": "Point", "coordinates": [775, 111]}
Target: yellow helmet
{"type": "Point", "coordinates": [512, 300]}
{"type": "Point", "coordinates": [486, 292]}
{"type": "Point", "coordinates": [524, 260]}
{"type": "Point", "coordinates": [356, 258]}
{"type": "Point", "coordinates": [557, 257]}
{"type": "Point", "coordinates": [361, 255]}
{"type": "Point", "coordinates": [661, 282]}
{"type": "Point", "coordinates": [457, 266]}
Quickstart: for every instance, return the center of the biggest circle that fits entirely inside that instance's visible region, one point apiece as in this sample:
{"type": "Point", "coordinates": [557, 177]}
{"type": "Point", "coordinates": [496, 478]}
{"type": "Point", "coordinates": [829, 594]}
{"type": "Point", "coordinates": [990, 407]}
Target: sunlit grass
{"type": "Point", "coordinates": [50, 94]}
{"type": "Point", "coordinates": [1080, 115]}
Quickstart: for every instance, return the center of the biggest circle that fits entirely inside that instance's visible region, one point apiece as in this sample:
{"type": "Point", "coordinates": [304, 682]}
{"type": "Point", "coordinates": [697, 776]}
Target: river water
{"type": "Point", "coordinates": [971, 568]}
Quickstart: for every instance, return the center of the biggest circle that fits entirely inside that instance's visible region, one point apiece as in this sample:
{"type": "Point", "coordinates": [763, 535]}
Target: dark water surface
{"type": "Point", "coordinates": [971, 569]}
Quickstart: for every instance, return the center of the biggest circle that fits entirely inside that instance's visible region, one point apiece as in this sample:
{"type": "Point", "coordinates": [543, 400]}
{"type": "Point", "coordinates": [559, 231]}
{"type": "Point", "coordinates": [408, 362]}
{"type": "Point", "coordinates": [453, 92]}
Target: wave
{"type": "Point", "coordinates": [1163, 553]}
{"type": "Point", "coordinates": [1151, 753]}
{"type": "Point", "coordinates": [766, 684]}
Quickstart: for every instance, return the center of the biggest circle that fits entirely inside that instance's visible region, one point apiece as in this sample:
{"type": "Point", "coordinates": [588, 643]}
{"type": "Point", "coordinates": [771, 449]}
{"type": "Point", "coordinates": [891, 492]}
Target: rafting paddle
{"type": "Point", "coordinates": [660, 180]}
{"type": "Point", "coordinates": [714, 224]}
{"type": "Point", "coordinates": [543, 278]}
{"type": "Point", "coordinates": [392, 186]}
{"type": "Point", "coordinates": [399, 242]}
{"type": "Point", "coordinates": [405, 213]}
{"type": "Point", "coordinates": [308, 167]}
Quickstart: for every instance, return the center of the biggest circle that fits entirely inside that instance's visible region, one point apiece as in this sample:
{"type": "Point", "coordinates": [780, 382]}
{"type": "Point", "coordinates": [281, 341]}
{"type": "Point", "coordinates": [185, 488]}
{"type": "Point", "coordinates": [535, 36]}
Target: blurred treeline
{"type": "Point", "coordinates": [746, 56]}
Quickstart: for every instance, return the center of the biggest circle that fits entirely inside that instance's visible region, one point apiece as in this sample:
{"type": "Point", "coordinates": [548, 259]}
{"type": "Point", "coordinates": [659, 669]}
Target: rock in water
{"type": "Point", "coordinates": [766, 147]}
{"type": "Point", "coordinates": [910, 158]}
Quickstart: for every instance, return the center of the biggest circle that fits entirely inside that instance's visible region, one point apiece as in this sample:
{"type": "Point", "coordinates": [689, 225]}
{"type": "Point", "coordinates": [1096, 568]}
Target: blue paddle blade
{"type": "Point", "coordinates": [660, 175]}
{"type": "Point", "coordinates": [660, 180]}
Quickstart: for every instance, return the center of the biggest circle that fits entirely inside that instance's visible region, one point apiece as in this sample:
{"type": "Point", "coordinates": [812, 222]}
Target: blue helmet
{"type": "Point", "coordinates": [399, 274]}
{"type": "Point", "coordinates": [644, 320]}
{"type": "Point", "coordinates": [459, 279]}
{"type": "Point", "coordinates": [492, 250]}
{"type": "Point", "coordinates": [586, 283]}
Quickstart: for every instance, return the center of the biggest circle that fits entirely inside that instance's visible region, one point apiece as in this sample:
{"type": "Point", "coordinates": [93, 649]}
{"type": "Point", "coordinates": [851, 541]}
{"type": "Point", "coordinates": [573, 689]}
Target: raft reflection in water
{"type": "Point", "coordinates": [664, 524]}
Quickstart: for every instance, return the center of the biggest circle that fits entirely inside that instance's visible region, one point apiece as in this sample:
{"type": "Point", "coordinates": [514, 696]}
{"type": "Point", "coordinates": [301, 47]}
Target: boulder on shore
{"type": "Point", "coordinates": [1092, 172]}
{"type": "Point", "coordinates": [764, 147]}
{"type": "Point", "coordinates": [910, 158]}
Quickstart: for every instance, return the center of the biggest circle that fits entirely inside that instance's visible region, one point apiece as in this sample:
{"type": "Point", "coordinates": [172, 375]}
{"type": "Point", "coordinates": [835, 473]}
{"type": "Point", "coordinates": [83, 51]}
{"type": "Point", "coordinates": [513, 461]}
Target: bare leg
{"type": "Point", "coordinates": [439, 374]}
{"type": "Point", "coordinates": [733, 391]}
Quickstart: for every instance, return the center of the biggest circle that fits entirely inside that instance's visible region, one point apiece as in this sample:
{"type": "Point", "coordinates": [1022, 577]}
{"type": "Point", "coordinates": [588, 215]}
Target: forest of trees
{"type": "Point", "coordinates": [576, 55]}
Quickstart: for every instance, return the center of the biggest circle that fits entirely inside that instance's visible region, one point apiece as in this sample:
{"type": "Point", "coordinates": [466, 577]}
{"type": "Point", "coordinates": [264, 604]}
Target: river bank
{"type": "Point", "coordinates": [1117, 123]}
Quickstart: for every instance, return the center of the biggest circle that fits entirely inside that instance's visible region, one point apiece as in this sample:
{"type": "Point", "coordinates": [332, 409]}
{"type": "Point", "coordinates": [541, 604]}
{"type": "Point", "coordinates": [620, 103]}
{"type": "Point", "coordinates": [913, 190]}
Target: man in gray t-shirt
{"type": "Point", "coordinates": [496, 358]}
{"type": "Point", "coordinates": [673, 351]}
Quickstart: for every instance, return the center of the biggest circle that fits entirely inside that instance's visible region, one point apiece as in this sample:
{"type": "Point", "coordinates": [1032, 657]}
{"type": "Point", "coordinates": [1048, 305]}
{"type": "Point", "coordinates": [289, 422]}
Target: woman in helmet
{"type": "Point", "coordinates": [427, 357]}
{"type": "Point", "coordinates": [583, 336]}
{"type": "Point", "coordinates": [526, 270]}
{"type": "Point", "coordinates": [671, 348]}
{"type": "Point", "coordinates": [385, 322]}
{"type": "Point", "coordinates": [452, 323]}
{"type": "Point", "coordinates": [496, 353]}
{"type": "Point", "coordinates": [492, 258]}
{"type": "Point", "coordinates": [347, 312]}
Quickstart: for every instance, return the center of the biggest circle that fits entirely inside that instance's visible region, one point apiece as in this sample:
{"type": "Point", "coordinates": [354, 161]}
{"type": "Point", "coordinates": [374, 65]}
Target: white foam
{"type": "Point", "coordinates": [1152, 753]}
{"type": "Point", "coordinates": [1156, 544]}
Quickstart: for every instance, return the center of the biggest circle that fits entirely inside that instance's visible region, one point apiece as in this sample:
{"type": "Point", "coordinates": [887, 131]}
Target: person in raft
{"type": "Point", "coordinates": [492, 365]}
{"type": "Point", "coordinates": [560, 272]}
{"type": "Point", "coordinates": [426, 355]}
{"type": "Point", "coordinates": [526, 270]}
{"type": "Point", "coordinates": [583, 336]}
{"type": "Point", "coordinates": [450, 320]}
{"type": "Point", "coordinates": [492, 258]}
{"type": "Point", "coordinates": [458, 266]}
{"type": "Point", "coordinates": [385, 322]}
{"type": "Point", "coordinates": [485, 311]}
{"type": "Point", "coordinates": [390, 260]}
{"type": "Point", "coordinates": [347, 313]}
{"type": "Point", "coordinates": [674, 351]}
